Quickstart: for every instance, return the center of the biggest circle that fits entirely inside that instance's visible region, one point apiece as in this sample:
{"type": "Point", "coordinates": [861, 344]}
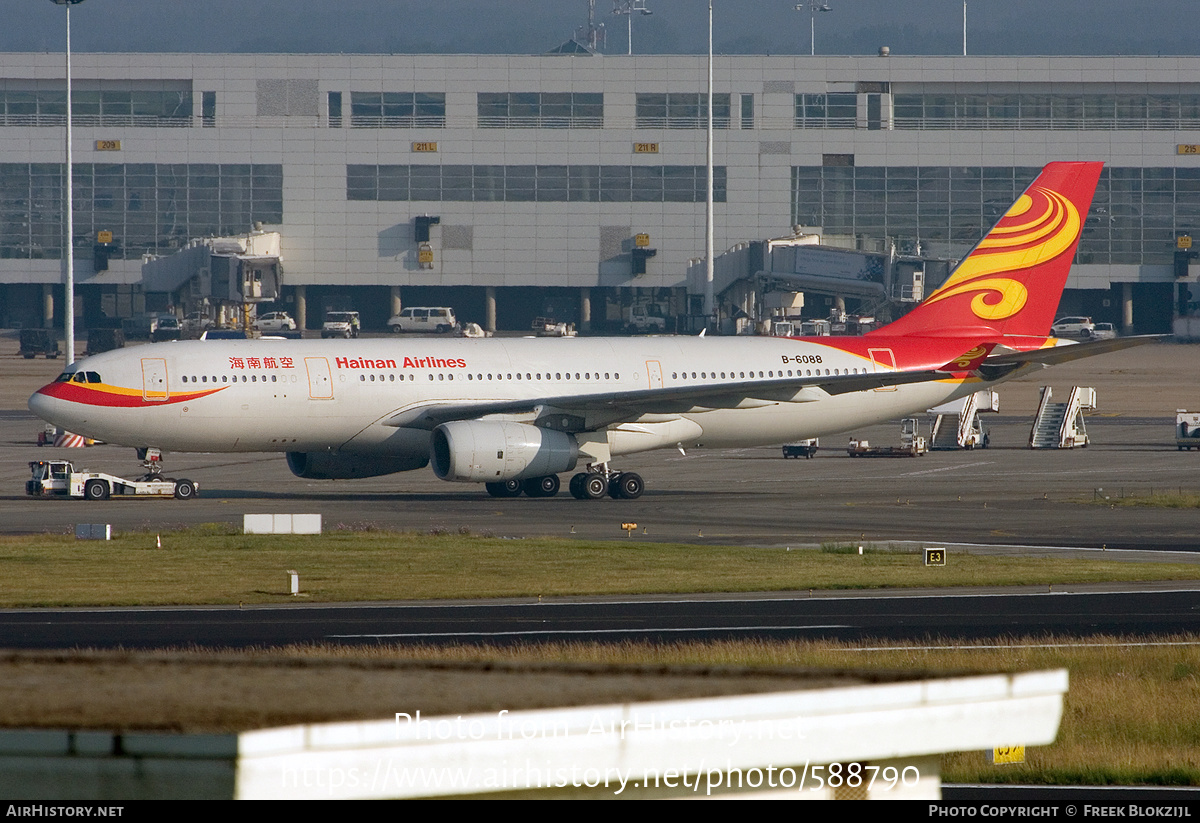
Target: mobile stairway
{"type": "Point", "coordinates": [1060, 425]}
{"type": "Point", "coordinates": [957, 426]}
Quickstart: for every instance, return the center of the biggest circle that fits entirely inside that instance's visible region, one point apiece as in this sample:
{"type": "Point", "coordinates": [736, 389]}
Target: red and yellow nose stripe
{"type": "Point", "coordinates": [103, 394]}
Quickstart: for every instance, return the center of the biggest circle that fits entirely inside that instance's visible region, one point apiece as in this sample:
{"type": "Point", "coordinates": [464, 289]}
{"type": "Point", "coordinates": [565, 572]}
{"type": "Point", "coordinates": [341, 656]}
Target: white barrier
{"type": "Point", "coordinates": [281, 524]}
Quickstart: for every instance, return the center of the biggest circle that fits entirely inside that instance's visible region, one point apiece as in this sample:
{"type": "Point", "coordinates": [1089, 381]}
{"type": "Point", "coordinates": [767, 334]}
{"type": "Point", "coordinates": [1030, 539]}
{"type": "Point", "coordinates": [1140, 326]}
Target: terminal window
{"type": "Point", "coordinates": [532, 183]}
{"type": "Point", "coordinates": [540, 110]}
{"type": "Point", "coordinates": [1133, 218]}
{"type": "Point", "coordinates": [682, 110]}
{"type": "Point", "coordinates": [391, 110]}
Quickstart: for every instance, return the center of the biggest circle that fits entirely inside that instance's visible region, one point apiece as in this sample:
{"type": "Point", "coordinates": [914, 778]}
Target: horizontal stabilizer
{"type": "Point", "coordinates": [1076, 351]}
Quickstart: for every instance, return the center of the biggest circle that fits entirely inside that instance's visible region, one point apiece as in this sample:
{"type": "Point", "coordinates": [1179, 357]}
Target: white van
{"type": "Point", "coordinates": [424, 318]}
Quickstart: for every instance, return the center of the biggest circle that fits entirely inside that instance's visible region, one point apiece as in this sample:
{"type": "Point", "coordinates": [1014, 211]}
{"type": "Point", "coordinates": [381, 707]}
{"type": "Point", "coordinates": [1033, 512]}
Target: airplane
{"type": "Point", "coordinates": [515, 413]}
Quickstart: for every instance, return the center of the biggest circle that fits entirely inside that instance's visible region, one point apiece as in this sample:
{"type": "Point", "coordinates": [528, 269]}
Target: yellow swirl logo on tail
{"type": "Point", "coordinates": [1041, 225]}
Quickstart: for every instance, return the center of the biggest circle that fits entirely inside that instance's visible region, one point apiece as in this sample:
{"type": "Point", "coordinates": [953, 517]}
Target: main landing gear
{"type": "Point", "coordinates": [589, 485]}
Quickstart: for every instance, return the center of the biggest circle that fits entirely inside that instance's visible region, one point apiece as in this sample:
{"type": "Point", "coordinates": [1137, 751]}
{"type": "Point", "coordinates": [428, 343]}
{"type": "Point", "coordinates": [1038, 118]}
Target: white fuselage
{"type": "Point", "coordinates": [308, 395]}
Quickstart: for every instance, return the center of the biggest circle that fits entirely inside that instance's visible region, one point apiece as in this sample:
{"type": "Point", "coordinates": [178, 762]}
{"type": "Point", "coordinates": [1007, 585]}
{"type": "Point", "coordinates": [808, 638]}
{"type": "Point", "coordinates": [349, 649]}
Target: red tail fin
{"type": "Point", "coordinates": [1012, 281]}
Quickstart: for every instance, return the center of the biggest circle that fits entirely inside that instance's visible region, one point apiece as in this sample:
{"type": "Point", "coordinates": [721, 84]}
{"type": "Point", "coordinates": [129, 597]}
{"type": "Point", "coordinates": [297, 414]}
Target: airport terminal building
{"type": "Point", "coordinates": [571, 185]}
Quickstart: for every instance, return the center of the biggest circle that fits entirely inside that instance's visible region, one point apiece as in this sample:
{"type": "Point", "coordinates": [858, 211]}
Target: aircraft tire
{"type": "Point", "coordinates": [631, 485]}
{"type": "Point", "coordinates": [614, 487]}
{"type": "Point", "coordinates": [576, 486]}
{"type": "Point", "coordinates": [594, 487]}
{"type": "Point", "coordinates": [96, 490]}
{"type": "Point", "coordinates": [184, 489]}
{"type": "Point", "coordinates": [541, 486]}
{"type": "Point", "coordinates": [505, 488]}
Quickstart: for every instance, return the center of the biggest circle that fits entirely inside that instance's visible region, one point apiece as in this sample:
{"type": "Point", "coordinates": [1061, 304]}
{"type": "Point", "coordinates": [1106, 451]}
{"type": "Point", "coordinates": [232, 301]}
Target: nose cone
{"type": "Point", "coordinates": [46, 405]}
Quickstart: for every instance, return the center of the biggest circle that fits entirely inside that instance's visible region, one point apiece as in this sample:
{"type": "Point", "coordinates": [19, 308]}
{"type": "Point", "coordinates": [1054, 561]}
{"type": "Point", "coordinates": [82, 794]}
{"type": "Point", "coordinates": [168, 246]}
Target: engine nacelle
{"type": "Point", "coordinates": [343, 466]}
{"type": "Point", "coordinates": [486, 452]}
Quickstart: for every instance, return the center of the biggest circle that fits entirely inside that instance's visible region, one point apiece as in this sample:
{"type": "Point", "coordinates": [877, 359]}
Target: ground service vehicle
{"type": "Point", "coordinates": [515, 413]}
{"type": "Point", "coordinates": [58, 477]}
{"type": "Point", "coordinates": [805, 448]}
{"type": "Point", "coordinates": [340, 324]}
{"type": "Point", "coordinates": [424, 318]}
{"type": "Point", "coordinates": [648, 318]}
{"type": "Point", "coordinates": [1187, 430]}
{"type": "Point", "coordinates": [39, 341]}
{"type": "Point", "coordinates": [912, 443]}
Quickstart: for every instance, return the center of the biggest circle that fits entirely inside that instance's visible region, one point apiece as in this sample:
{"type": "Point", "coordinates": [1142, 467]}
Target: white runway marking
{"type": "Point", "coordinates": [578, 631]}
{"type": "Point", "coordinates": [948, 468]}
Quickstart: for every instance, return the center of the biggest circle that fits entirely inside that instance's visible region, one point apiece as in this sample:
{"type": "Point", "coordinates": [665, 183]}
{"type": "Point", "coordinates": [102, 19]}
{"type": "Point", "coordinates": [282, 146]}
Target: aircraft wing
{"type": "Point", "coordinates": [608, 407]}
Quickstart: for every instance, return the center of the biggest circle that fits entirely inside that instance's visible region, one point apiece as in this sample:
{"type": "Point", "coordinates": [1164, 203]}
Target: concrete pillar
{"type": "Point", "coordinates": [1127, 308]}
{"type": "Point", "coordinates": [839, 304]}
{"type": "Point", "coordinates": [396, 304]}
{"type": "Point", "coordinates": [47, 305]}
{"type": "Point", "coordinates": [301, 317]}
{"type": "Point", "coordinates": [489, 308]}
{"type": "Point", "coordinates": [585, 309]}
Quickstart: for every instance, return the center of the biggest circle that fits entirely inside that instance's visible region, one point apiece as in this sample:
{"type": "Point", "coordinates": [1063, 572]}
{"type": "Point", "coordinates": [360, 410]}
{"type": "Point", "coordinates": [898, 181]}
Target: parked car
{"type": "Point", "coordinates": [166, 327]}
{"type": "Point", "coordinates": [138, 327]}
{"type": "Point", "coordinates": [424, 318]}
{"type": "Point", "coordinates": [1073, 327]}
{"type": "Point", "coordinates": [1104, 331]}
{"type": "Point", "coordinates": [196, 323]}
{"type": "Point", "coordinates": [340, 324]}
{"type": "Point", "coordinates": [274, 321]}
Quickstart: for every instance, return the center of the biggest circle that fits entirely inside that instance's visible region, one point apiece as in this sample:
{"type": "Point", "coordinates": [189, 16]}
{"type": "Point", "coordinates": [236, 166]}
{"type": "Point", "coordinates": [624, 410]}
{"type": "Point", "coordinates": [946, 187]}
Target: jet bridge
{"type": "Point", "coordinates": [748, 275]}
{"type": "Point", "coordinates": [224, 272]}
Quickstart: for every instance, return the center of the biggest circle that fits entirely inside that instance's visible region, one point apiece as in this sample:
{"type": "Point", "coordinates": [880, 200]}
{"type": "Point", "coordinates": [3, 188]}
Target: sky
{"type": "Point", "coordinates": [1091, 27]}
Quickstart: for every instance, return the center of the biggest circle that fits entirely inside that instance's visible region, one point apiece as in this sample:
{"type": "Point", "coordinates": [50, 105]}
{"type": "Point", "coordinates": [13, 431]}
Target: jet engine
{"type": "Point", "coordinates": [343, 466]}
{"type": "Point", "coordinates": [484, 451]}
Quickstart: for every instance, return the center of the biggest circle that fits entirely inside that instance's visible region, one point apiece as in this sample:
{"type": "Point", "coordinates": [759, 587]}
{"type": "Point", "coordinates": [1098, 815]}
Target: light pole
{"type": "Point", "coordinates": [628, 8]}
{"type": "Point", "coordinates": [964, 28]}
{"type": "Point", "coordinates": [69, 331]}
{"type": "Point", "coordinates": [709, 222]}
{"type": "Point", "coordinates": [812, 6]}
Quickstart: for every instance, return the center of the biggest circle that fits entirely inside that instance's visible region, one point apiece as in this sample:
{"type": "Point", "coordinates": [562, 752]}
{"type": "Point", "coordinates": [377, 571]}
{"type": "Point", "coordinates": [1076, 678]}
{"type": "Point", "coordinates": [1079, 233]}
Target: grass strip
{"type": "Point", "coordinates": [212, 565]}
{"type": "Point", "coordinates": [1131, 715]}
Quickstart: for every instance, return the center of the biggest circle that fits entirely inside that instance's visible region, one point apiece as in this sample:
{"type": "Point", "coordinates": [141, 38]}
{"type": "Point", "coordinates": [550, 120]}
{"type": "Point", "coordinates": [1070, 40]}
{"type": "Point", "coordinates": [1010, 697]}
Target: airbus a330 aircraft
{"type": "Point", "coordinates": [515, 413]}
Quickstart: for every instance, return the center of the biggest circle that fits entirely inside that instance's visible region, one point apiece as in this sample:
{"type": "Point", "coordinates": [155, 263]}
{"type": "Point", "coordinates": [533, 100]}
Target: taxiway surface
{"type": "Point", "coordinates": [1006, 495]}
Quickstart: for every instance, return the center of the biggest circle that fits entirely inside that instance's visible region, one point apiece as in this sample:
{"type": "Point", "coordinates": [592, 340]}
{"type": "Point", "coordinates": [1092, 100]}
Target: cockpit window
{"type": "Point", "coordinates": [79, 377]}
